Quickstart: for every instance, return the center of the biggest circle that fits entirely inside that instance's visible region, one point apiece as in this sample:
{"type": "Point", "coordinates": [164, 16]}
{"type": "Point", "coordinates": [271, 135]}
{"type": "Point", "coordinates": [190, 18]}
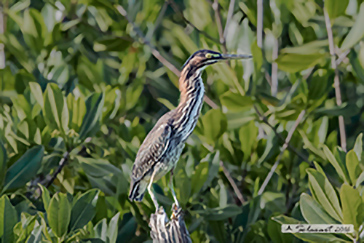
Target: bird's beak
{"type": "Point", "coordinates": [238, 56]}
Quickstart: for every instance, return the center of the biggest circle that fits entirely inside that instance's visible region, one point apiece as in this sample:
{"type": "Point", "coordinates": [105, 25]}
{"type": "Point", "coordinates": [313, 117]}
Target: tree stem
{"type": "Point", "coordinates": [336, 79]}
{"type": "Point", "coordinates": [284, 147]}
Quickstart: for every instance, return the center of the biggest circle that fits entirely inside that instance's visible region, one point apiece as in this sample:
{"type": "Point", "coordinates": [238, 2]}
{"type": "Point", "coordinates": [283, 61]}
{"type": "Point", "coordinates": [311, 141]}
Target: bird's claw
{"type": "Point", "coordinates": [176, 210]}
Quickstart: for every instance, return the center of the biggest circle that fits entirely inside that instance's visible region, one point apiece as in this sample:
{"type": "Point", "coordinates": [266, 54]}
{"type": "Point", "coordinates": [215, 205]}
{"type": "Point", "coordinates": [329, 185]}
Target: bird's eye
{"type": "Point", "coordinates": [208, 55]}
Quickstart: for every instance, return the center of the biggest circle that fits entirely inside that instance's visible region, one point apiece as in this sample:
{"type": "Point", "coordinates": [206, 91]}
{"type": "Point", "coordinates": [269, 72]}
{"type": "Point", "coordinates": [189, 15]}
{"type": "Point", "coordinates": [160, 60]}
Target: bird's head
{"type": "Point", "coordinates": [202, 58]}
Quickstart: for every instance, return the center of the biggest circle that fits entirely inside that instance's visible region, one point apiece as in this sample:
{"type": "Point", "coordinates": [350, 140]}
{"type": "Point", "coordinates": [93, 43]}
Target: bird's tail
{"type": "Point", "coordinates": [137, 190]}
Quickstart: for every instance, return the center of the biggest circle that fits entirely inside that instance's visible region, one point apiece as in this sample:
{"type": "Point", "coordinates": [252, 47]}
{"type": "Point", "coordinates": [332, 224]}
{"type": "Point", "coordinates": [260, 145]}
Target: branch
{"type": "Point", "coordinates": [62, 163]}
{"type": "Point", "coordinates": [260, 23]}
{"type": "Point", "coordinates": [163, 230]}
{"type": "Point", "coordinates": [155, 52]}
{"type": "Point", "coordinates": [215, 6]}
{"type": "Point", "coordinates": [290, 147]}
{"type": "Point", "coordinates": [336, 78]}
{"type": "Point", "coordinates": [284, 147]}
{"type": "Point", "coordinates": [2, 31]}
{"type": "Point", "coordinates": [341, 57]}
{"type": "Point", "coordinates": [274, 82]}
{"type": "Point", "coordinates": [229, 16]}
{"type": "Point", "coordinates": [232, 183]}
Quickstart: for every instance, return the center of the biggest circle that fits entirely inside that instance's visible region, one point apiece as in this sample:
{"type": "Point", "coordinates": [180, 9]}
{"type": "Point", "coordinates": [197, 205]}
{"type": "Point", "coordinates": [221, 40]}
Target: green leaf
{"type": "Point", "coordinates": [8, 219]}
{"type": "Point", "coordinates": [359, 180]}
{"type": "Point", "coordinates": [221, 213]}
{"type": "Point", "coordinates": [292, 62]}
{"type": "Point", "coordinates": [199, 177]}
{"type": "Point", "coordinates": [343, 110]}
{"type": "Point", "coordinates": [356, 32]}
{"type": "Point", "coordinates": [182, 186]}
{"type": "Point", "coordinates": [24, 228]}
{"type": "Point", "coordinates": [34, 29]}
{"type": "Point", "coordinates": [267, 99]}
{"type": "Point", "coordinates": [218, 230]}
{"type": "Point", "coordinates": [318, 168]}
{"type": "Point", "coordinates": [112, 230]}
{"type": "Point", "coordinates": [94, 105]}
{"type": "Point", "coordinates": [248, 137]}
{"type": "Point", "coordinates": [274, 231]}
{"type": "Point", "coordinates": [45, 226]}
{"type": "Point", "coordinates": [324, 193]}
{"type": "Point", "coordinates": [340, 169]}
{"type": "Point", "coordinates": [36, 235]}
{"type": "Point", "coordinates": [356, 65]}
{"type": "Point", "coordinates": [257, 57]}
{"type": "Point", "coordinates": [214, 166]}
{"type": "Point", "coordinates": [45, 196]}
{"type": "Point", "coordinates": [37, 93]}
{"type": "Point", "coordinates": [77, 109]}
{"type": "Point", "coordinates": [353, 206]}
{"type": "Point", "coordinates": [235, 102]}
{"type": "Point", "coordinates": [335, 8]}
{"type": "Point", "coordinates": [352, 164]}
{"type": "Point", "coordinates": [214, 125]}
{"type": "Point", "coordinates": [59, 214]}
{"type": "Point", "coordinates": [311, 147]}
{"type": "Point", "coordinates": [24, 169]}
{"type": "Point", "coordinates": [55, 109]}
{"type": "Point", "coordinates": [307, 48]}
{"type": "Point", "coordinates": [111, 43]}
{"type": "Point", "coordinates": [97, 168]}
{"type": "Point", "coordinates": [358, 146]}
{"type": "Point", "coordinates": [313, 212]}
{"type": "Point", "coordinates": [83, 210]}
{"type": "Point", "coordinates": [3, 160]}
{"type": "Point", "coordinates": [101, 230]}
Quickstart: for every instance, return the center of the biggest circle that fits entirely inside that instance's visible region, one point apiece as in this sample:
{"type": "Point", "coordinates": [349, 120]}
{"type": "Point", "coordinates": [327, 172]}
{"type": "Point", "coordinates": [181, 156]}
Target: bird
{"type": "Point", "coordinates": [163, 145]}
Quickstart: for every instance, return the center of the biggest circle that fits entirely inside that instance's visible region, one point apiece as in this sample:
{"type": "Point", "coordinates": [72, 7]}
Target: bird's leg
{"type": "Point", "coordinates": [150, 190]}
{"type": "Point", "coordinates": [172, 190]}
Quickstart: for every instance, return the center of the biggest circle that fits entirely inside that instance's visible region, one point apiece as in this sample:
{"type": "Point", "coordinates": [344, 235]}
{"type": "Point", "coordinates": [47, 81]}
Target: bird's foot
{"type": "Point", "coordinates": [176, 210]}
{"type": "Point", "coordinates": [160, 210]}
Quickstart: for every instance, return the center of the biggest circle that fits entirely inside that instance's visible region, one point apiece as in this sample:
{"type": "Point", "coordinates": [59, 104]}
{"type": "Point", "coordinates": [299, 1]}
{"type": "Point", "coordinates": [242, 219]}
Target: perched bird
{"type": "Point", "coordinates": [163, 145]}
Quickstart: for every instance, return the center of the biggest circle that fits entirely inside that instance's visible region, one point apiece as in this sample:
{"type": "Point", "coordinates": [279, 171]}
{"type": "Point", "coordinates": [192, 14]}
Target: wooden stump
{"type": "Point", "coordinates": [165, 230]}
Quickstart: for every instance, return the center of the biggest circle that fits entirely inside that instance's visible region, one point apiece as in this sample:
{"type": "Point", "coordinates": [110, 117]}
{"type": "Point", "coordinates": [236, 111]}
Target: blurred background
{"type": "Point", "coordinates": [83, 81]}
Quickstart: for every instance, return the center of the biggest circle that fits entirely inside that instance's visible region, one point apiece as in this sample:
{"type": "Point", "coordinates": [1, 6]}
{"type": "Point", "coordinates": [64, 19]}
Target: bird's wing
{"type": "Point", "coordinates": [153, 148]}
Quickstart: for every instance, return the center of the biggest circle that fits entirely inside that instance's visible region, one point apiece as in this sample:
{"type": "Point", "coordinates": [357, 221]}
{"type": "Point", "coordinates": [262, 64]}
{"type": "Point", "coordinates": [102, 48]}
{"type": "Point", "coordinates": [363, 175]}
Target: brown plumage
{"type": "Point", "coordinates": [161, 149]}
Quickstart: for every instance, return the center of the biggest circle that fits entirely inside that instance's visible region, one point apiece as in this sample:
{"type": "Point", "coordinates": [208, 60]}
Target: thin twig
{"type": "Point", "coordinates": [176, 9]}
{"type": "Point", "coordinates": [260, 23]}
{"type": "Point", "coordinates": [215, 6]}
{"type": "Point", "coordinates": [156, 53]}
{"type": "Point", "coordinates": [336, 78]}
{"type": "Point", "coordinates": [232, 183]}
{"type": "Point", "coordinates": [284, 147]}
{"type": "Point", "coordinates": [341, 57]}
{"type": "Point", "coordinates": [2, 31]}
{"type": "Point", "coordinates": [290, 147]}
{"type": "Point", "coordinates": [274, 87]}
{"type": "Point", "coordinates": [62, 163]}
{"type": "Point", "coordinates": [158, 20]}
{"type": "Point", "coordinates": [229, 16]}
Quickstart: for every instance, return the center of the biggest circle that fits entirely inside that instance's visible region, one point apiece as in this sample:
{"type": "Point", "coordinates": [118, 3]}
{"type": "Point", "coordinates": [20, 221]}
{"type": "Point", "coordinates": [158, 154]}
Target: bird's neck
{"type": "Point", "coordinates": [192, 89]}
{"type": "Point", "coordinates": [189, 108]}
{"type": "Point", "coordinates": [190, 85]}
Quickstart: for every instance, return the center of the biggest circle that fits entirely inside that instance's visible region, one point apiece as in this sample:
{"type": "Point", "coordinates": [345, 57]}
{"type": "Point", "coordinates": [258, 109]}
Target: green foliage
{"type": "Point", "coordinates": [325, 207]}
{"type": "Point", "coordinates": [80, 87]}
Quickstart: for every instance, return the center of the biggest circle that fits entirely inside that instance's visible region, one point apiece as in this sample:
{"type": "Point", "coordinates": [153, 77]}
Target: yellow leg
{"type": "Point", "coordinates": [172, 190]}
{"type": "Point", "coordinates": [150, 189]}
